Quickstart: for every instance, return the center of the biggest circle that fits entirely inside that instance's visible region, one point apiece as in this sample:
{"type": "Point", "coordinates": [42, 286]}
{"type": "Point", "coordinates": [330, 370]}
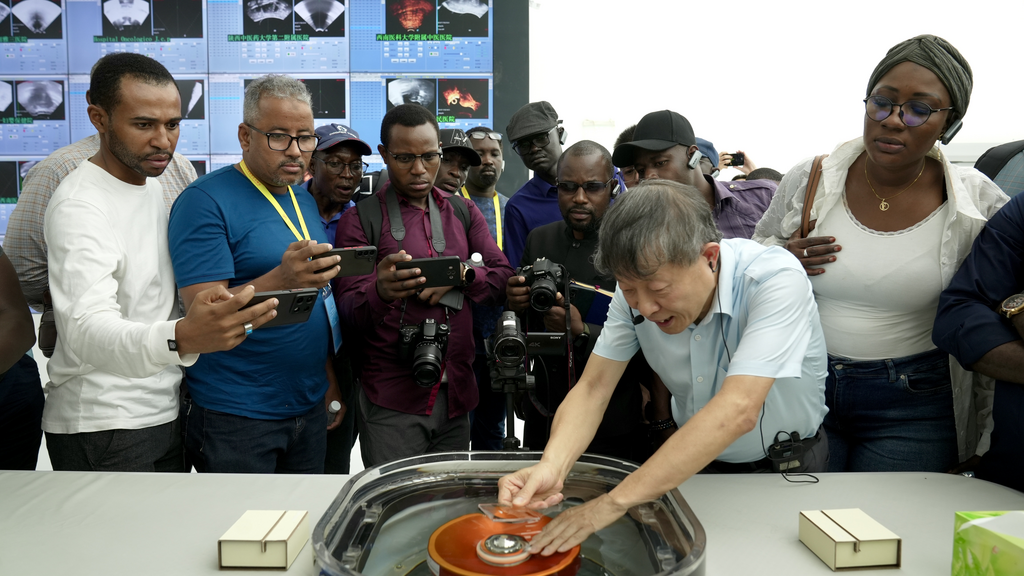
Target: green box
{"type": "Point", "coordinates": [988, 544]}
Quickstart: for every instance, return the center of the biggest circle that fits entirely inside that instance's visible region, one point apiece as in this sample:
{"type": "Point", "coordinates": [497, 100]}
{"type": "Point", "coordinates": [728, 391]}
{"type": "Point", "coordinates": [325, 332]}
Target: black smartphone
{"type": "Point", "coordinates": [293, 307]}
{"type": "Point", "coordinates": [738, 158]}
{"type": "Point", "coordinates": [443, 271]}
{"type": "Point", "coordinates": [354, 261]}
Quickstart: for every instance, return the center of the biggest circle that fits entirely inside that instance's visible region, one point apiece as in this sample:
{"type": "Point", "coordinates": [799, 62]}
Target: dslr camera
{"type": "Point", "coordinates": [543, 277]}
{"type": "Point", "coordinates": [424, 346]}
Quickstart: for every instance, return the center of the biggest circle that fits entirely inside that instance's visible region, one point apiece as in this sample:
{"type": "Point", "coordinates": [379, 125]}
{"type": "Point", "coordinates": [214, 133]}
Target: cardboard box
{"type": "Point", "coordinates": [988, 543]}
{"type": "Point", "coordinates": [264, 539]}
{"type": "Point", "coordinates": [849, 539]}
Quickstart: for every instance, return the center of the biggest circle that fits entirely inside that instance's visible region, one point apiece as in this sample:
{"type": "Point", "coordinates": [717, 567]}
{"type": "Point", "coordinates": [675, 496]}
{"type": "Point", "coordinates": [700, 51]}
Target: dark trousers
{"type": "Point", "coordinates": [21, 415]}
{"type": "Point", "coordinates": [1004, 461]}
{"type": "Point", "coordinates": [386, 435]}
{"type": "Point", "coordinates": [227, 443]}
{"type": "Point", "coordinates": [153, 449]}
{"type": "Point", "coordinates": [341, 440]}
{"type": "Point", "coordinates": [487, 420]}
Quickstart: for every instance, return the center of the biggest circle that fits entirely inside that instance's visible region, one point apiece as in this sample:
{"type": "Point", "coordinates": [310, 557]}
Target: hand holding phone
{"type": "Point", "coordinates": [354, 261]}
{"type": "Point", "coordinates": [442, 271]}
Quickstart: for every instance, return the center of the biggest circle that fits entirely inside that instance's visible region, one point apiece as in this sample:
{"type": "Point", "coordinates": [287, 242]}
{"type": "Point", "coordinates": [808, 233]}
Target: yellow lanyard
{"type": "Point", "coordinates": [497, 214]}
{"type": "Point", "coordinates": [266, 194]}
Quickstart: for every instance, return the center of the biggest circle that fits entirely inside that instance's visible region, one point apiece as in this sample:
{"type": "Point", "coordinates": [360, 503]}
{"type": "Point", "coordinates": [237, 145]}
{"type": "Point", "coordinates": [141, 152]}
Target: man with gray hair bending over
{"type": "Point", "coordinates": [732, 329]}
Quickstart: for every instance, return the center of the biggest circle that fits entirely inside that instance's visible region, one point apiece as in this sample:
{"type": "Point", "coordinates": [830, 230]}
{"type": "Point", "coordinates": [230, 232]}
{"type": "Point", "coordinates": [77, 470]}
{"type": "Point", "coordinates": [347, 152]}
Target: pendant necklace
{"type": "Point", "coordinates": [885, 205]}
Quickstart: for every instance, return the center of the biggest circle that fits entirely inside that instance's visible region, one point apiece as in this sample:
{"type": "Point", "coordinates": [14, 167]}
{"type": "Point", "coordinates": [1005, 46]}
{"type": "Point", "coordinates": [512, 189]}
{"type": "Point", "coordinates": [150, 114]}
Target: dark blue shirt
{"type": "Point", "coordinates": [330, 226]}
{"type": "Point", "coordinates": [534, 205]}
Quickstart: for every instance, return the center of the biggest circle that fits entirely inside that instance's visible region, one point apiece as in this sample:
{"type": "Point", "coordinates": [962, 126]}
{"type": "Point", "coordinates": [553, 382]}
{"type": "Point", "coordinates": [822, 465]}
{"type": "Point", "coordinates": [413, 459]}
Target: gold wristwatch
{"type": "Point", "coordinates": [1012, 306]}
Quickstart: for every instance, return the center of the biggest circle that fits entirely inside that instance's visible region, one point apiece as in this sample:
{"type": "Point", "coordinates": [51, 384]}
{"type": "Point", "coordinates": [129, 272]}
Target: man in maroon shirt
{"type": "Point", "coordinates": [400, 414]}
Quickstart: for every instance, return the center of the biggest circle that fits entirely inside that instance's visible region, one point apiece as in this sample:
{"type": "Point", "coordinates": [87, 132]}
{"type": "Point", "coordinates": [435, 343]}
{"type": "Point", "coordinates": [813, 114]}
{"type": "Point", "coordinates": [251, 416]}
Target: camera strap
{"type": "Point", "coordinates": [398, 226]}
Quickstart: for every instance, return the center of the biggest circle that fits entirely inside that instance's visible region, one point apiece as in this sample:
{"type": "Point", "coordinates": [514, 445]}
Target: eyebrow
{"type": "Point", "coordinates": [271, 129]}
{"type": "Point", "coordinates": [150, 119]}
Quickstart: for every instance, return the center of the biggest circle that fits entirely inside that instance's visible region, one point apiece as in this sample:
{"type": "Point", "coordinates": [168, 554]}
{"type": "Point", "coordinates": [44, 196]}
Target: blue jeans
{"type": "Point", "coordinates": [226, 443]}
{"type": "Point", "coordinates": [893, 415]}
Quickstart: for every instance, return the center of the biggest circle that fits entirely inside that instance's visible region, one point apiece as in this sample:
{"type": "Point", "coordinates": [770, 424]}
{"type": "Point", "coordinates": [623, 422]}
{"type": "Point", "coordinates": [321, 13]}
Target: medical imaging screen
{"type": "Point", "coordinates": [200, 164]}
{"type": "Point", "coordinates": [451, 36]}
{"type": "Point", "coordinates": [12, 176]}
{"type": "Point", "coordinates": [32, 38]}
{"type": "Point", "coordinates": [329, 96]}
{"type": "Point", "coordinates": [261, 36]}
{"type": "Point", "coordinates": [33, 115]}
{"type": "Point", "coordinates": [171, 31]}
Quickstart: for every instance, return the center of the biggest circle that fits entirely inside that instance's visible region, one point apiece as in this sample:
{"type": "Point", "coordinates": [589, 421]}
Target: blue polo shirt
{"type": "Point", "coordinates": [534, 205]}
{"type": "Point", "coordinates": [330, 226]}
{"type": "Point", "coordinates": [765, 308]}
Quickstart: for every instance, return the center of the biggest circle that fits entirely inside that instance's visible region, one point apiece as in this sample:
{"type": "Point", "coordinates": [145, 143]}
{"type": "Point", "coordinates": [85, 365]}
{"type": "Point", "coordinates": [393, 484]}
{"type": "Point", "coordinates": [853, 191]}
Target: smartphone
{"type": "Point", "coordinates": [354, 261]}
{"type": "Point", "coordinates": [294, 306]}
{"type": "Point", "coordinates": [443, 271]}
{"type": "Point", "coordinates": [738, 158]}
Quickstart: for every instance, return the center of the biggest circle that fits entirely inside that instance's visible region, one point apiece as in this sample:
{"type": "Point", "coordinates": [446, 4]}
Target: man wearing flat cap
{"type": "Point", "coordinates": [665, 147]}
{"type": "Point", "coordinates": [337, 170]}
{"type": "Point", "coordinates": [537, 137]}
{"type": "Point", "coordinates": [456, 157]}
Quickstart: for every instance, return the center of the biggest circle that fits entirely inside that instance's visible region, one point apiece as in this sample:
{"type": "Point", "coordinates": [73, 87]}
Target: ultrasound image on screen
{"type": "Point", "coordinates": [127, 18]}
{"type": "Point", "coordinates": [467, 18]}
{"type": "Point", "coordinates": [5, 17]}
{"type": "Point", "coordinates": [23, 168]}
{"type": "Point", "coordinates": [6, 98]}
{"type": "Point", "coordinates": [422, 91]}
{"type": "Point", "coordinates": [8, 182]}
{"type": "Point", "coordinates": [267, 17]}
{"type": "Point", "coordinates": [410, 17]}
{"type": "Point", "coordinates": [319, 18]}
{"type": "Point", "coordinates": [192, 103]}
{"type": "Point", "coordinates": [41, 99]}
{"type": "Point", "coordinates": [463, 98]}
{"type": "Point", "coordinates": [328, 97]}
{"type": "Point", "coordinates": [178, 18]}
{"type": "Point", "coordinates": [37, 19]}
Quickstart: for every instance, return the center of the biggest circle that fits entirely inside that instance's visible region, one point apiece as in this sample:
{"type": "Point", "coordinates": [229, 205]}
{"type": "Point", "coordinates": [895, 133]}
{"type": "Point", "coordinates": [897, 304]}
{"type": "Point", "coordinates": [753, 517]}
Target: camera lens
{"type": "Point", "coordinates": [510, 351]}
{"type": "Point", "coordinates": [426, 364]}
{"type": "Point", "coordinates": [542, 294]}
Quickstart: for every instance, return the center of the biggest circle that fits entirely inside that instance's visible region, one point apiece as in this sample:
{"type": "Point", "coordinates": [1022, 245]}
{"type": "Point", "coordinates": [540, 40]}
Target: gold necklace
{"type": "Point", "coordinates": [885, 205]}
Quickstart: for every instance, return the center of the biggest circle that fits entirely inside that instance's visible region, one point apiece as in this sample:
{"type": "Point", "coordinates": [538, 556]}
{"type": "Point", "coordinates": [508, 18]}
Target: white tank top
{"type": "Point", "coordinates": [879, 298]}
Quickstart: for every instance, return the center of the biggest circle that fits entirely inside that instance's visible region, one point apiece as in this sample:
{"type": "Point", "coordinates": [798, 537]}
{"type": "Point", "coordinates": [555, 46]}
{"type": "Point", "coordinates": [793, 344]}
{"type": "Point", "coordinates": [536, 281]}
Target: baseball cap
{"type": "Point", "coordinates": [655, 131]}
{"type": "Point", "coordinates": [334, 134]}
{"type": "Point", "coordinates": [534, 118]}
{"type": "Point", "coordinates": [708, 150]}
{"type": "Point", "coordinates": [455, 139]}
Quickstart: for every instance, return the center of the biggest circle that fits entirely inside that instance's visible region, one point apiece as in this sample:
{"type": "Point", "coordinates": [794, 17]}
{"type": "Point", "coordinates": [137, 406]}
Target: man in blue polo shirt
{"type": "Point", "coordinates": [261, 407]}
{"type": "Point", "coordinates": [732, 329]}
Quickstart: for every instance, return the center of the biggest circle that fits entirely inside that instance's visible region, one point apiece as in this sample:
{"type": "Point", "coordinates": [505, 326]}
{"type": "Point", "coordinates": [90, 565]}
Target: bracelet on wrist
{"type": "Point", "coordinates": [665, 424]}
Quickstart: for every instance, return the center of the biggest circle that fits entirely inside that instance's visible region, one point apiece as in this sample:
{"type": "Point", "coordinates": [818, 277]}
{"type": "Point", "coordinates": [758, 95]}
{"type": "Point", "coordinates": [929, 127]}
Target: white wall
{"type": "Point", "coordinates": [780, 80]}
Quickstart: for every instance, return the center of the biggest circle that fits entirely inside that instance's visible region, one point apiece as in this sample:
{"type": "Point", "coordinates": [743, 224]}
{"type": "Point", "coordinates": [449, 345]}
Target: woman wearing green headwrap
{"type": "Point", "coordinates": [893, 219]}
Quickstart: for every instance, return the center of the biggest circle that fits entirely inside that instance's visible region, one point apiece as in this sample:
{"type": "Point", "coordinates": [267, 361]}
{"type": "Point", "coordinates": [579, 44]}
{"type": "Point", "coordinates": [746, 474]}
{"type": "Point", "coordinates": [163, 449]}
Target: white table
{"type": "Point", "coordinates": [57, 523]}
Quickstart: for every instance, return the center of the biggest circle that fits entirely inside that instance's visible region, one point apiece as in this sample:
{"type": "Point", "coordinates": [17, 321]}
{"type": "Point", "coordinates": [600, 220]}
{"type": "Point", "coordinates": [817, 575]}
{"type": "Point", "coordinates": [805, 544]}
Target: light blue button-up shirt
{"type": "Point", "coordinates": [763, 322]}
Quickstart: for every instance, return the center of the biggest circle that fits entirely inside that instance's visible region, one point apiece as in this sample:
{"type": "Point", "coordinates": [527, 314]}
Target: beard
{"type": "Point", "coordinates": [277, 180]}
{"type": "Point", "coordinates": [134, 161]}
{"type": "Point", "coordinates": [485, 179]}
{"type": "Point", "coordinates": [589, 227]}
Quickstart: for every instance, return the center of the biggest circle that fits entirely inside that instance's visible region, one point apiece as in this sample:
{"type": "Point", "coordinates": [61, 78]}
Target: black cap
{"type": "Point", "coordinates": [655, 131]}
{"type": "Point", "coordinates": [455, 139]}
{"type": "Point", "coordinates": [534, 118]}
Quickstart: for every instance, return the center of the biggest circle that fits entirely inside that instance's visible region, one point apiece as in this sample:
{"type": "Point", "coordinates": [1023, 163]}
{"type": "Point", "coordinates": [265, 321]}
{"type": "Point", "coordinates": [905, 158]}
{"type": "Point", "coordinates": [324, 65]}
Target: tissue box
{"type": "Point", "coordinates": [264, 539]}
{"type": "Point", "coordinates": [849, 538]}
{"type": "Point", "coordinates": [988, 543]}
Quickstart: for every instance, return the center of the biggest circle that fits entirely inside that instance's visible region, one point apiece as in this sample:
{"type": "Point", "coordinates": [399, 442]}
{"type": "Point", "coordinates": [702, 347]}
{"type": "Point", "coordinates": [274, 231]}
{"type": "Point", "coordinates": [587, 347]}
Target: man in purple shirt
{"type": "Point", "coordinates": [536, 136]}
{"type": "Point", "coordinates": [401, 415]}
{"type": "Point", "coordinates": [664, 146]}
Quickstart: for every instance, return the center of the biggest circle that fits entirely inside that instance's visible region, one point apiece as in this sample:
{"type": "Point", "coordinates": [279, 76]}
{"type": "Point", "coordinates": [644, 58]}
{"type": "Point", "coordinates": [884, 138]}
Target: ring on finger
{"type": "Point", "coordinates": [248, 328]}
{"type": "Point", "coordinates": [805, 252]}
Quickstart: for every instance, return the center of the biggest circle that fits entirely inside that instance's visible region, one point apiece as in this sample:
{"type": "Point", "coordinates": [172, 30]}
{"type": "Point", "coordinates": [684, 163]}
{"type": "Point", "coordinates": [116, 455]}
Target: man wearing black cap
{"type": "Point", "coordinates": [336, 170]}
{"type": "Point", "coordinates": [456, 158]}
{"type": "Point", "coordinates": [664, 147]}
{"type": "Point", "coordinates": [537, 137]}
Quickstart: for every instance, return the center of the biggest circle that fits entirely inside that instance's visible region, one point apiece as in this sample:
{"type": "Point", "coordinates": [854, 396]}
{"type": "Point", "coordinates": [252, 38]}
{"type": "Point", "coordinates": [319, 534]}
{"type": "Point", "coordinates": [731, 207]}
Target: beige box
{"type": "Point", "coordinates": [264, 539]}
{"type": "Point", "coordinates": [849, 539]}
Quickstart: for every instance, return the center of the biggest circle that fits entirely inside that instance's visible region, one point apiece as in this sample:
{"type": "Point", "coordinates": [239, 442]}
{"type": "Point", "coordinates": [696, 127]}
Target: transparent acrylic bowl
{"type": "Point", "coordinates": [382, 519]}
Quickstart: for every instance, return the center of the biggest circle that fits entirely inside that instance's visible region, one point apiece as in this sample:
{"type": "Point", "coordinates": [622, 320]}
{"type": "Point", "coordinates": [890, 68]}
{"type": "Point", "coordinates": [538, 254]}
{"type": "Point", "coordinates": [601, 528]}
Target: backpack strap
{"type": "Point", "coordinates": [461, 211]}
{"type": "Point", "coordinates": [372, 219]}
{"type": "Point", "coordinates": [812, 188]}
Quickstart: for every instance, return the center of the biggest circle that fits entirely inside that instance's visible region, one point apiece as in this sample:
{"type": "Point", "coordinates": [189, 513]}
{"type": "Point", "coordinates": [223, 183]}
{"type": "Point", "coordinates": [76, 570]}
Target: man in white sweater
{"type": "Point", "coordinates": [114, 376]}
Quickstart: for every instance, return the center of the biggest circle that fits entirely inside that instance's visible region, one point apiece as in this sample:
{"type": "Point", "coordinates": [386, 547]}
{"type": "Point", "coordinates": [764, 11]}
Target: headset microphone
{"type": "Point", "coordinates": [636, 319]}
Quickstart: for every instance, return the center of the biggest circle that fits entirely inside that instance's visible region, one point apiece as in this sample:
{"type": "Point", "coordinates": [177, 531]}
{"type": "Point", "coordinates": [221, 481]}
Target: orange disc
{"type": "Point", "coordinates": [453, 548]}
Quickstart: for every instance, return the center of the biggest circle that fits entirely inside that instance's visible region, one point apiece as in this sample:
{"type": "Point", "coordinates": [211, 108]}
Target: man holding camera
{"type": "Point", "coordinates": [665, 147]}
{"type": "Point", "coordinates": [730, 326]}
{"type": "Point", "coordinates": [416, 357]}
{"type": "Point", "coordinates": [586, 186]}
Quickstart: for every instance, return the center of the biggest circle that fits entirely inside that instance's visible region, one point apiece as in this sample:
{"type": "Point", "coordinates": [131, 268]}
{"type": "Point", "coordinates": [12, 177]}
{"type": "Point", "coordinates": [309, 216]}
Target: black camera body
{"type": "Point", "coordinates": [509, 347]}
{"type": "Point", "coordinates": [543, 277]}
{"type": "Point", "coordinates": [424, 345]}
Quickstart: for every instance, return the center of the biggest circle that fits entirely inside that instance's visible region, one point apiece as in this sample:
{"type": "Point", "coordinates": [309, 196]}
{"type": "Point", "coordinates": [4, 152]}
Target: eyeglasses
{"type": "Point", "coordinates": [569, 188]}
{"type": "Point", "coordinates": [481, 134]}
{"type": "Point", "coordinates": [280, 142]}
{"type": "Point", "coordinates": [539, 140]}
{"type": "Point", "coordinates": [338, 168]}
{"type": "Point", "coordinates": [428, 158]}
{"type": "Point", "coordinates": [912, 112]}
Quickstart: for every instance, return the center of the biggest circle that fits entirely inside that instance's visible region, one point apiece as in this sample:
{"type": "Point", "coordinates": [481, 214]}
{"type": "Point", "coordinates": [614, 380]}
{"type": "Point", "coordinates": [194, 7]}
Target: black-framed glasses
{"type": "Point", "coordinates": [569, 188]}
{"type": "Point", "coordinates": [428, 158]}
{"type": "Point", "coordinates": [912, 112]}
{"type": "Point", "coordinates": [279, 142]}
{"type": "Point", "coordinates": [338, 168]}
{"type": "Point", "coordinates": [481, 134]}
{"type": "Point", "coordinates": [539, 140]}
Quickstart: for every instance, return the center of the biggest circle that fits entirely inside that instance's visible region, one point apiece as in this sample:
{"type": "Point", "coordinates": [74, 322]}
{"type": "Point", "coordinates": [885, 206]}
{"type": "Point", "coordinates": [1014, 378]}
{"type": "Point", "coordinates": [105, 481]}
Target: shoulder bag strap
{"type": "Point", "coordinates": [812, 188]}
